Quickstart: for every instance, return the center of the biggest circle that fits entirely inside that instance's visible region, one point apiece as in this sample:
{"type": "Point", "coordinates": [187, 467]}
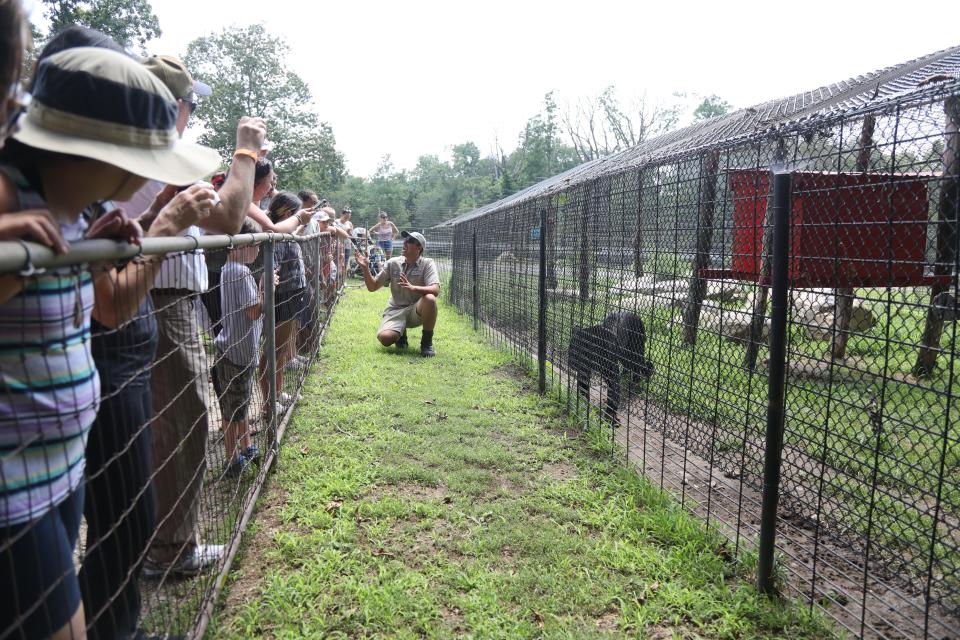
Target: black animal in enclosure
{"type": "Point", "coordinates": [617, 342]}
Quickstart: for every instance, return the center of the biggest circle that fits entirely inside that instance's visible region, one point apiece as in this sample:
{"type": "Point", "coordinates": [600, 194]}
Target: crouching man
{"type": "Point", "coordinates": [414, 286]}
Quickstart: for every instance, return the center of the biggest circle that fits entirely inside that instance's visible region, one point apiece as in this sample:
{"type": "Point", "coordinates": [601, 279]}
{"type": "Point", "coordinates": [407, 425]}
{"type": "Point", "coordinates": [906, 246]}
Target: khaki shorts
{"type": "Point", "coordinates": [399, 319]}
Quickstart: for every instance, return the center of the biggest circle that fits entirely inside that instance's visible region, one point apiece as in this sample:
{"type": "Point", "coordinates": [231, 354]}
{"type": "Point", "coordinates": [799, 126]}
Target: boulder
{"type": "Point", "coordinates": [807, 304]}
{"type": "Point", "coordinates": [731, 324]}
{"type": "Point", "coordinates": [820, 327]}
{"type": "Point", "coordinates": [652, 284]}
{"type": "Point", "coordinates": [725, 291]}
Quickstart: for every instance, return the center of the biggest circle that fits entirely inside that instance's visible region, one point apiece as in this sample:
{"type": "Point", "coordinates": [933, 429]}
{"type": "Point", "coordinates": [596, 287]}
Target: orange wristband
{"type": "Point", "coordinates": [247, 153]}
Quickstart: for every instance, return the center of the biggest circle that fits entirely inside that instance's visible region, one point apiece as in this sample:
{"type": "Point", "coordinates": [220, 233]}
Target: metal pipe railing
{"type": "Point", "coordinates": [24, 256]}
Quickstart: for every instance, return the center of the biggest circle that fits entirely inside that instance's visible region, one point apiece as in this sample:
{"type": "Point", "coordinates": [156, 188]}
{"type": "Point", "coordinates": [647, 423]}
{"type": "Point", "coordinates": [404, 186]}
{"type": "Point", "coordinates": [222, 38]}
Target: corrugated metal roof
{"type": "Point", "coordinates": [845, 96]}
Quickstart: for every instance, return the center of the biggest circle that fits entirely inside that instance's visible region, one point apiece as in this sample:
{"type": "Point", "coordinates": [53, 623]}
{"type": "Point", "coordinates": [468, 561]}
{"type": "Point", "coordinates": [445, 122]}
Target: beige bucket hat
{"type": "Point", "coordinates": [100, 104]}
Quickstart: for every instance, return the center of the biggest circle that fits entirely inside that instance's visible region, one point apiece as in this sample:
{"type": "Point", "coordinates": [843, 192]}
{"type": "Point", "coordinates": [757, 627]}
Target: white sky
{"type": "Point", "coordinates": [409, 78]}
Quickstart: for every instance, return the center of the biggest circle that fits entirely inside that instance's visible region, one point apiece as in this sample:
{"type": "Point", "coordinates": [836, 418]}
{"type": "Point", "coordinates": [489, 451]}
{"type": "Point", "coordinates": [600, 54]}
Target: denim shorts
{"type": "Point", "coordinates": [39, 556]}
{"type": "Point", "coordinates": [386, 245]}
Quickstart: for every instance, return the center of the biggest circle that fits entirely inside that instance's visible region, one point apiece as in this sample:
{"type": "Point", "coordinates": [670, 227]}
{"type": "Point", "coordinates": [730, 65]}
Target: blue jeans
{"type": "Point", "coordinates": [118, 478]}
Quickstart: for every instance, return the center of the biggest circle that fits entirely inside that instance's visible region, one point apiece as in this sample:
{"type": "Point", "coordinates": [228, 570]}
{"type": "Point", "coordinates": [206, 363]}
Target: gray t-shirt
{"type": "Point", "coordinates": [239, 338]}
{"type": "Point", "coordinates": [422, 273]}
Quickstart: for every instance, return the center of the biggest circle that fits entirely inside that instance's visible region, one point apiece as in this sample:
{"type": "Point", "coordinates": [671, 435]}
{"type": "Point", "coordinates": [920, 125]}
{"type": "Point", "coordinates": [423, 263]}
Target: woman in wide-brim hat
{"type": "Point", "coordinates": [98, 126]}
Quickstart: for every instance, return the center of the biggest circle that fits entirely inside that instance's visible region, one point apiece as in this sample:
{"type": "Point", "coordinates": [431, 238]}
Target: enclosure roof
{"type": "Point", "coordinates": [855, 94]}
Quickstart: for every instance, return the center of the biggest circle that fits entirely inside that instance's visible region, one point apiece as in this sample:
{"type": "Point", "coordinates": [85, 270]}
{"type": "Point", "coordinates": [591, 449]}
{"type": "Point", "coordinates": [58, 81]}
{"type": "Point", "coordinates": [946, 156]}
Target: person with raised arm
{"type": "Point", "coordinates": [414, 286]}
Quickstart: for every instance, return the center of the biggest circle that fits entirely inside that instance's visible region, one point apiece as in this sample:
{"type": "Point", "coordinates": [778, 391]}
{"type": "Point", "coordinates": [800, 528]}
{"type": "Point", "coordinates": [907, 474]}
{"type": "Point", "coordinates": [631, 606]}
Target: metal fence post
{"type": "Point", "coordinates": [542, 307]}
{"type": "Point", "coordinates": [476, 287]}
{"type": "Point", "coordinates": [318, 297]}
{"type": "Point", "coordinates": [270, 336]}
{"type": "Point", "coordinates": [782, 183]}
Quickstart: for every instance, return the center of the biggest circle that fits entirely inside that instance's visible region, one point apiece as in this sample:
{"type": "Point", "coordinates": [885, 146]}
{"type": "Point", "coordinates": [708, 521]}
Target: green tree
{"type": "Point", "coordinates": [131, 23]}
{"type": "Point", "coordinates": [711, 107]}
{"type": "Point", "coordinates": [246, 67]}
{"type": "Point", "coordinates": [541, 152]}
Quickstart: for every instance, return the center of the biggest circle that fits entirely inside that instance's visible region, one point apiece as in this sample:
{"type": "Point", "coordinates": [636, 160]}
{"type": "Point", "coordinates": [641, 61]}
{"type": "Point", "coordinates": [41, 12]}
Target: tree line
{"type": "Point", "coordinates": [247, 68]}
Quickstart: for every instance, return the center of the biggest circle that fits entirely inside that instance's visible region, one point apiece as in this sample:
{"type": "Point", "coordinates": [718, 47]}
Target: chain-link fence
{"type": "Point", "coordinates": [764, 319]}
{"type": "Point", "coordinates": [176, 398]}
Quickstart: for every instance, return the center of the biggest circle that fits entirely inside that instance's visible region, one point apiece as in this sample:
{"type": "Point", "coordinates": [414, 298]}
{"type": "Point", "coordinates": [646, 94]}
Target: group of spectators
{"type": "Point", "coordinates": [103, 369]}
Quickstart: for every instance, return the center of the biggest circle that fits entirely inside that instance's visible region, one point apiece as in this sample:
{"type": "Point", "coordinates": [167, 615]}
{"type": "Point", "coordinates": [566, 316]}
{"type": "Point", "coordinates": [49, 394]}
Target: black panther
{"type": "Point", "coordinates": [615, 344]}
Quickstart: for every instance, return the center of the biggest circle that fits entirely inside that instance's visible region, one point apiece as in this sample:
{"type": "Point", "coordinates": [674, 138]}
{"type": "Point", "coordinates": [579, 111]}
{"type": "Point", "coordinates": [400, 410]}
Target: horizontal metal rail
{"type": "Point", "coordinates": [26, 256]}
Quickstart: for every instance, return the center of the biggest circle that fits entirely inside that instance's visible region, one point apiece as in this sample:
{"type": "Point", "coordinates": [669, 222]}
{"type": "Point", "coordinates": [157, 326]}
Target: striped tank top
{"type": "Point", "coordinates": [49, 388]}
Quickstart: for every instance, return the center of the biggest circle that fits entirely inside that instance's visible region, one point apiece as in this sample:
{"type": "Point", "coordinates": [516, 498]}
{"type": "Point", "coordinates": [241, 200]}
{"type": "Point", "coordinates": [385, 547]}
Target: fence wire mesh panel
{"type": "Point", "coordinates": [175, 398]}
{"type": "Point", "coordinates": [657, 312]}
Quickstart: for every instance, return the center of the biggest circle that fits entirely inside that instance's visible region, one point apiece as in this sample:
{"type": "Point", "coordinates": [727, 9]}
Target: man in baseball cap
{"type": "Point", "coordinates": [174, 73]}
{"type": "Point", "coordinates": [414, 286]}
{"type": "Point", "coordinates": [178, 379]}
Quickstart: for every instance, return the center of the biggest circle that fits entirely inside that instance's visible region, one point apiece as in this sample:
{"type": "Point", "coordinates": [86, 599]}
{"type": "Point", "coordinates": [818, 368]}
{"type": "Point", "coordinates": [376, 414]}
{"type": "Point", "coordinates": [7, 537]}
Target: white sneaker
{"type": "Point", "coordinates": [203, 556]}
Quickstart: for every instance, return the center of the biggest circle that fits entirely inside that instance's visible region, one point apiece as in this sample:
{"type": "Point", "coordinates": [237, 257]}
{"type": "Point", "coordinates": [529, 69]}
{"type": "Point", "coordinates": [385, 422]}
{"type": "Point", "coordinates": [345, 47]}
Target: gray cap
{"type": "Point", "coordinates": [416, 235]}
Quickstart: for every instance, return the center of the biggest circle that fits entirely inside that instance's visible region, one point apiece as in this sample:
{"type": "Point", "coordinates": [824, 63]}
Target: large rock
{"type": "Point", "coordinates": [650, 291]}
{"type": "Point", "coordinates": [807, 304]}
{"type": "Point", "coordinates": [725, 291]}
{"type": "Point", "coordinates": [731, 324]}
{"type": "Point", "coordinates": [661, 286]}
{"type": "Point", "coordinates": [655, 290]}
{"type": "Point", "coordinates": [820, 327]}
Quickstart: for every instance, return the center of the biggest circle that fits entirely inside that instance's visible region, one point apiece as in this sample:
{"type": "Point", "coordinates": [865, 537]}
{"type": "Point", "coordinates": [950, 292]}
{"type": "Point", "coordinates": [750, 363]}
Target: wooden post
{"type": "Point", "coordinates": [843, 297]}
{"type": "Point", "coordinates": [638, 237]}
{"type": "Point", "coordinates": [586, 193]}
{"type": "Point", "coordinates": [551, 233]}
{"type": "Point", "coordinates": [762, 292]}
{"type": "Point", "coordinates": [542, 305]}
{"type": "Point", "coordinates": [709, 166]}
{"type": "Point", "coordinates": [946, 236]}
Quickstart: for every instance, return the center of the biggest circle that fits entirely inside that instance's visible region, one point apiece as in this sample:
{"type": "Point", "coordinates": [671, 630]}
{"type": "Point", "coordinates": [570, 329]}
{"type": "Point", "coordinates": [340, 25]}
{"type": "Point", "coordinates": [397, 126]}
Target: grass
{"type": "Point", "coordinates": [830, 423]}
{"type": "Point", "coordinates": [439, 498]}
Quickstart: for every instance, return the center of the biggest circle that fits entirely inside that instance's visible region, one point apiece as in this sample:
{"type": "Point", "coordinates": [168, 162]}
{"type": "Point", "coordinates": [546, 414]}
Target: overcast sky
{"type": "Point", "coordinates": [408, 78]}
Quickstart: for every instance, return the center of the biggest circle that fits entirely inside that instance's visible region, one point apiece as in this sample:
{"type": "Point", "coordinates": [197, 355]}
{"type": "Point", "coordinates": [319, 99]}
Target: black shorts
{"type": "Point", "coordinates": [289, 304]}
{"type": "Point", "coordinates": [38, 556]}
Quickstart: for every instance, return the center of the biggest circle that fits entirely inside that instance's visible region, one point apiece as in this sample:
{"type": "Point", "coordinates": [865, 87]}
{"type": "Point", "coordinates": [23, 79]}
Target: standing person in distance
{"type": "Point", "coordinates": [344, 223]}
{"type": "Point", "coordinates": [385, 232]}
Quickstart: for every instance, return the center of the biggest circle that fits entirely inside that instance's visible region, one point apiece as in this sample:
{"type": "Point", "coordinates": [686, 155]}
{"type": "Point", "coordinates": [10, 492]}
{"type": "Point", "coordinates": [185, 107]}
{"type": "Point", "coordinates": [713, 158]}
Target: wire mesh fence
{"type": "Point", "coordinates": [806, 388]}
{"type": "Point", "coordinates": [176, 398]}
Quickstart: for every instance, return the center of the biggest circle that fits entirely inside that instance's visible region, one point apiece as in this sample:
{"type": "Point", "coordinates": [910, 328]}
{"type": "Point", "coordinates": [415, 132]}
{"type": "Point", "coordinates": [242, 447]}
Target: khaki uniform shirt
{"type": "Point", "coordinates": [422, 273]}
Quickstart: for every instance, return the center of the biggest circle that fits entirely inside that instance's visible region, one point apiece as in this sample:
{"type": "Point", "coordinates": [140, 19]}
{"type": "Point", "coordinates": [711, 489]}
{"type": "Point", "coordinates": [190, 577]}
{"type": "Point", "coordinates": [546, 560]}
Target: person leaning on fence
{"type": "Point", "coordinates": [179, 379]}
{"type": "Point", "coordinates": [237, 345]}
{"type": "Point", "coordinates": [306, 337]}
{"type": "Point", "coordinates": [291, 295]}
{"type": "Point", "coordinates": [262, 183]}
{"type": "Point", "coordinates": [50, 391]}
{"type": "Point", "coordinates": [414, 287]}
{"type": "Point", "coordinates": [328, 262]}
{"type": "Point", "coordinates": [118, 503]}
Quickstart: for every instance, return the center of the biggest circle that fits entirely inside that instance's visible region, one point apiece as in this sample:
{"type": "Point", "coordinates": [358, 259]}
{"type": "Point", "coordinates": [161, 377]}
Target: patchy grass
{"type": "Point", "coordinates": [438, 498]}
{"type": "Point", "coordinates": [883, 435]}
